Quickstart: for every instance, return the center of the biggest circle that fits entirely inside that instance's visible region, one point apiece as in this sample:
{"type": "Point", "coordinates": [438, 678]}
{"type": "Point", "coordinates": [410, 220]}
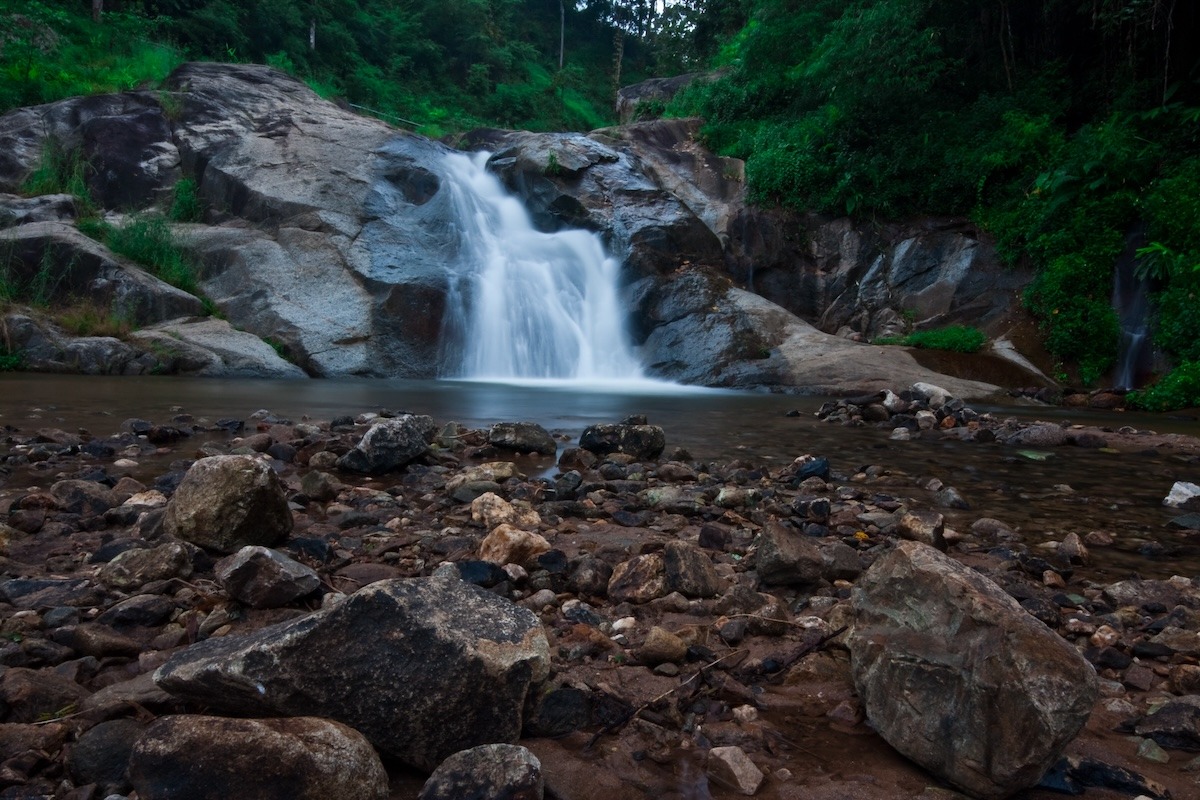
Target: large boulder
{"type": "Point", "coordinates": [192, 757]}
{"type": "Point", "coordinates": [958, 677]}
{"type": "Point", "coordinates": [499, 771]}
{"type": "Point", "coordinates": [224, 503]}
{"type": "Point", "coordinates": [422, 667]}
{"type": "Point", "coordinates": [639, 441]}
{"type": "Point", "coordinates": [213, 348]}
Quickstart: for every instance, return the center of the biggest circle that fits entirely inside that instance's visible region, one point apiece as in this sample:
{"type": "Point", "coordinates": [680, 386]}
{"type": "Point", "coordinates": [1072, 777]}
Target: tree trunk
{"type": "Point", "coordinates": [312, 34]}
{"type": "Point", "coordinates": [562, 30]}
{"type": "Point", "coordinates": [618, 57]}
{"type": "Point", "coordinates": [97, 8]}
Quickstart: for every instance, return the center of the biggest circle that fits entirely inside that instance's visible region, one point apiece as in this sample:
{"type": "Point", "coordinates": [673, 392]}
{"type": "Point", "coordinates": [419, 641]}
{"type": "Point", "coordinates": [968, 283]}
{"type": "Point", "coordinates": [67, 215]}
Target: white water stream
{"type": "Point", "coordinates": [524, 304]}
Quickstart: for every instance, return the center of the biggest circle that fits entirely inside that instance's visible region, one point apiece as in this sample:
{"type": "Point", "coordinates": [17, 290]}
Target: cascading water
{"type": "Point", "coordinates": [1131, 301]}
{"type": "Point", "coordinates": [526, 304]}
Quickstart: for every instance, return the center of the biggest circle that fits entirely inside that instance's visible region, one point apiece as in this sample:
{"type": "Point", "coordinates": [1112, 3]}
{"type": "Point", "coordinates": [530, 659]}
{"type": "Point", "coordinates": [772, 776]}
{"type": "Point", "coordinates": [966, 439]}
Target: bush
{"type": "Point", "coordinates": [956, 338]}
{"type": "Point", "coordinates": [1179, 388]}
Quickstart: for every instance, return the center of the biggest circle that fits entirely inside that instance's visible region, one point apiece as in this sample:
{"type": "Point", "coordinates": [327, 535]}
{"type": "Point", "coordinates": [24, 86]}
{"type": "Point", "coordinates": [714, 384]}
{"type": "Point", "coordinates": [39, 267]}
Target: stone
{"type": "Point", "coordinates": [523, 437]}
{"type": "Point", "coordinates": [509, 545]}
{"type": "Point", "coordinates": [98, 641]}
{"type": "Point", "coordinates": [638, 580]}
{"type": "Point", "coordinates": [642, 442]}
{"type": "Point", "coordinates": [82, 497]}
{"type": "Point", "coordinates": [590, 577]}
{"type": "Point", "coordinates": [491, 510]}
{"type": "Point", "coordinates": [661, 646]}
{"type": "Point", "coordinates": [787, 558]}
{"type": "Point", "coordinates": [265, 578]}
{"type": "Point", "coordinates": [1176, 724]}
{"type": "Point", "coordinates": [959, 678]}
{"type": "Point", "coordinates": [493, 771]}
{"type": "Point", "coordinates": [422, 667]}
{"type": "Point", "coordinates": [390, 445]}
{"type": "Point", "coordinates": [320, 486]}
{"type": "Point", "coordinates": [1183, 495]}
{"type": "Point", "coordinates": [224, 503]}
{"type": "Point", "coordinates": [949, 497]}
{"type": "Point", "coordinates": [1039, 435]}
{"type": "Point", "coordinates": [730, 766]}
{"type": "Point", "coordinates": [926, 527]}
{"type": "Point", "coordinates": [101, 754]}
{"type": "Point", "coordinates": [139, 566]}
{"type": "Point", "coordinates": [32, 695]}
{"type": "Point", "coordinates": [196, 757]}
{"type": "Point", "coordinates": [689, 571]}
{"type": "Point", "coordinates": [17, 738]}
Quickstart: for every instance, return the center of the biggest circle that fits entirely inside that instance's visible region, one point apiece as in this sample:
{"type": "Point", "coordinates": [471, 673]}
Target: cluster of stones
{"type": "Point", "coordinates": [1100, 399]}
{"type": "Point", "coordinates": [303, 604]}
{"type": "Point", "coordinates": [926, 409]}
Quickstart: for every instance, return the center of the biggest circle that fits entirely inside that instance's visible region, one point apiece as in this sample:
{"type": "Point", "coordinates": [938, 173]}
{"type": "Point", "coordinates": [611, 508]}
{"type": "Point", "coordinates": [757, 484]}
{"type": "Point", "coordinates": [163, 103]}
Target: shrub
{"type": "Point", "coordinates": [1179, 388]}
{"type": "Point", "coordinates": [147, 239]}
{"type": "Point", "coordinates": [956, 338]}
{"type": "Point", "coordinates": [186, 205]}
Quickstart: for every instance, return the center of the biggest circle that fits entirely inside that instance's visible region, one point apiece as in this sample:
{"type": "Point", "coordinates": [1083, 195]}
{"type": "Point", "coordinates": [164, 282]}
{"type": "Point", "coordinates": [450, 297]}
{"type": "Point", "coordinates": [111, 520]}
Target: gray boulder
{"type": "Point", "coordinates": [213, 348]}
{"type": "Point", "coordinates": [494, 771]}
{"type": "Point", "coordinates": [423, 667]}
{"type": "Point", "coordinates": [265, 578]}
{"type": "Point", "coordinates": [138, 566]}
{"type": "Point", "coordinates": [224, 503]}
{"type": "Point", "coordinates": [524, 437]}
{"type": "Point", "coordinates": [300, 758]}
{"type": "Point", "coordinates": [959, 678]}
{"type": "Point", "coordinates": [390, 444]}
{"type": "Point", "coordinates": [642, 442]}
{"type": "Point", "coordinates": [786, 557]}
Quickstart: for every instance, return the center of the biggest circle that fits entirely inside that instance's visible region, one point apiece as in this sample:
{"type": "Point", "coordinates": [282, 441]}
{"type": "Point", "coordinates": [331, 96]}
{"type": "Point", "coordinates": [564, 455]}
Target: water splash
{"type": "Point", "coordinates": [524, 304]}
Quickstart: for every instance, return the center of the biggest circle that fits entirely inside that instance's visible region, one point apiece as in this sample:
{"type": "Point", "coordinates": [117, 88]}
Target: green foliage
{"type": "Point", "coordinates": [10, 361]}
{"type": "Point", "coordinates": [147, 239]}
{"type": "Point", "coordinates": [186, 205]}
{"type": "Point", "coordinates": [955, 338]}
{"type": "Point", "coordinates": [1071, 298]}
{"type": "Point", "coordinates": [1179, 388]}
{"type": "Point", "coordinates": [88, 319]}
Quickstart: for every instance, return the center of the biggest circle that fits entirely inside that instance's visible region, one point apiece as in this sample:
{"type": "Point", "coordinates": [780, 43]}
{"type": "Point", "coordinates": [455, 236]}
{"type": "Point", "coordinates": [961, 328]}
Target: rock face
{"type": "Point", "coordinates": [329, 236]}
{"type": "Point", "coordinates": [302, 758]}
{"type": "Point", "coordinates": [227, 502]}
{"type": "Point", "coordinates": [955, 675]}
{"type": "Point", "coordinates": [422, 667]}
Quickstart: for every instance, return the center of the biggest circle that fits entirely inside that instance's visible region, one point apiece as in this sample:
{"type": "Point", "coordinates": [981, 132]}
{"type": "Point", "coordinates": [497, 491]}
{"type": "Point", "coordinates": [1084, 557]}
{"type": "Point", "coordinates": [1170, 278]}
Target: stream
{"type": "Point", "coordinates": [1073, 489]}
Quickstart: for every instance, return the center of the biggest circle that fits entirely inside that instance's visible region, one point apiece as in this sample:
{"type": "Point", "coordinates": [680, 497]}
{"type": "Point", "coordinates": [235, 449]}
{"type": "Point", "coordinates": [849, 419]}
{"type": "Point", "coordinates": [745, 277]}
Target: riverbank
{"type": "Point", "coordinates": [731, 650]}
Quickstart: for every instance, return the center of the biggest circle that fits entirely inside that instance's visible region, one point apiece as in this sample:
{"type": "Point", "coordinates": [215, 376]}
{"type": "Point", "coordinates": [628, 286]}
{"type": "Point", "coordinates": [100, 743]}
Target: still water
{"type": "Point", "coordinates": [1071, 490]}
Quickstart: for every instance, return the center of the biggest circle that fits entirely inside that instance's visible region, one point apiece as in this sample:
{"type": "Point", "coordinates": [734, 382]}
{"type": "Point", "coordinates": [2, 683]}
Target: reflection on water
{"type": "Point", "coordinates": [1073, 490]}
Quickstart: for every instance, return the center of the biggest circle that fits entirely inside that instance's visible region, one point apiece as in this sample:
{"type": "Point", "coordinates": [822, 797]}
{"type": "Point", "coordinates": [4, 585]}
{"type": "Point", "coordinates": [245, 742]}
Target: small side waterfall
{"type": "Point", "coordinates": [525, 304]}
{"type": "Point", "coordinates": [1131, 301]}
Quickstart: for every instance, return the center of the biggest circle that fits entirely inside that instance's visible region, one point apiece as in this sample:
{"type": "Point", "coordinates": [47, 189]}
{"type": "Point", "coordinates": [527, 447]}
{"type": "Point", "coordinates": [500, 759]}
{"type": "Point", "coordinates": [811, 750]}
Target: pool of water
{"type": "Point", "coordinates": [1071, 490]}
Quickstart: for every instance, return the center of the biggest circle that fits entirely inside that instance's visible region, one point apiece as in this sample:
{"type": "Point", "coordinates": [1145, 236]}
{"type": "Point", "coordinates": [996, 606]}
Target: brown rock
{"type": "Point", "coordinates": [227, 502]}
{"type": "Point", "coordinates": [661, 646]}
{"type": "Point", "coordinates": [509, 545]}
{"type": "Point", "coordinates": [638, 580]}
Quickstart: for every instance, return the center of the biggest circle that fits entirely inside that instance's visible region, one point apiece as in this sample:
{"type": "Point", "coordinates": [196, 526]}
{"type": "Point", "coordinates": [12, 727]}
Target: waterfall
{"type": "Point", "coordinates": [526, 304]}
{"type": "Point", "coordinates": [1131, 301]}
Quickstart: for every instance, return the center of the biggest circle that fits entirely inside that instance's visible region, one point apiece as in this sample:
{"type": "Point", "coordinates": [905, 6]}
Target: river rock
{"type": "Point", "coordinates": [390, 444]}
{"type": "Point", "coordinates": [689, 571]}
{"type": "Point", "coordinates": [926, 527]}
{"type": "Point", "coordinates": [491, 510]}
{"type": "Point", "coordinates": [139, 566]}
{"type": "Point", "coordinates": [730, 766]}
{"type": "Point", "coordinates": [510, 545]}
{"type": "Point", "coordinates": [1044, 435]}
{"type": "Point", "coordinates": [101, 754]}
{"type": "Point", "coordinates": [82, 497]}
{"type": "Point", "coordinates": [224, 503]}
{"type": "Point", "coordinates": [641, 442]}
{"type": "Point", "coordinates": [197, 757]}
{"type": "Point", "coordinates": [786, 557]}
{"type": "Point", "coordinates": [955, 675]}
{"type": "Point", "coordinates": [265, 578]}
{"type": "Point", "coordinates": [1176, 724]}
{"type": "Point", "coordinates": [499, 771]}
{"type": "Point", "coordinates": [661, 646]}
{"type": "Point", "coordinates": [523, 437]}
{"type": "Point", "coordinates": [422, 667]}
{"type": "Point", "coordinates": [31, 695]}
{"type": "Point", "coordinates": [1183, 495]}
{"type": "Point", "coordinates": [638, 580]}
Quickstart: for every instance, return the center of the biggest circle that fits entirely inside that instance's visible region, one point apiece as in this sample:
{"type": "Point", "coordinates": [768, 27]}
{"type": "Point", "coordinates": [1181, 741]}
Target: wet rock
{"type": "Point", "coordinates": [101, 754]}
{"type": "Point", "coordinates": [787, 558]}
{"type": "Point", "coordinates": [320, 486]}
{"type": "Point", "coordinates": [1045, 435]}
{"type": "Point", "coordinates": [302, 758]}
{"type": "Point", "coordinates": [390, 445]}
{"type": "Point", "coordinates": [523, 437]}
{"type": "Point", "coordinates": [1183, 495]}
{"type": "Point", "coordinates": [642, 442]}
{"type": "Point", "coordinates": [449, 665]}
{"type": "Point", "coordinates": [510, 545]}
{"type": "Point", "coordinates": [227, 502]}
{"type": "Point", "coordinates": [730, 766]}
{"type": "Point", "coordinates": [948, 497]}
{"type": "Point", "coordinates": [82, 497]}
{"type": "Point", "coordinates": [638, 580]}
{"type": "Point", "coordinates": [957, 677]}
{"type": "Point", "coordinates": [689, 571]}
{"type": "Point", "coordinates": [494, 771]}
{"type": "Point", "coordinates": [99, 641]}
{"type": "Point", "coordinates": [137, 567]}
{"type": "Point", "coordinates": [37, 592]}
{"type": "Point", "coordinates": [590, 577]}
{"type": "Point", "coordinates": [265, 578]}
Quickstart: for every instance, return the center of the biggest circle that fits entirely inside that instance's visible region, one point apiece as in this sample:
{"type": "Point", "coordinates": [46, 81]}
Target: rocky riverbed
{"type": "Point", "coordinates": [338, 608]}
